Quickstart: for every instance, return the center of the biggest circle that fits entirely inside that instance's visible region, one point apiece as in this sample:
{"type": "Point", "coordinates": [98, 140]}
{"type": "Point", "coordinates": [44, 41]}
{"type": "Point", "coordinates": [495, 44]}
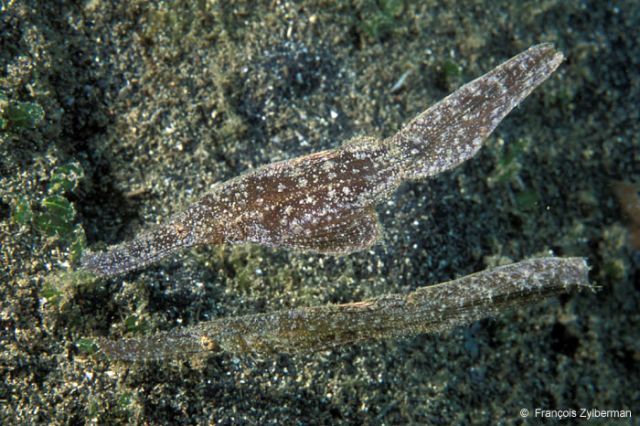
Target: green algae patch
{"type": "Point", "coordinates": [87, 346]}
{"type": "Point", "coordinates": [62, 307]}
{"type": "Point", "coordinates": [451, 69]}
{"type": "Point", "coordinates": [24, 115]}
{"type": "Point", "coordinates": [450, 74]}
{"type": "Point", "coordinates": [65, 178]}
{"type": "Point", "coordinates": [57, 216]}
{"type": "Point", "coordinates": [16, 115]}
{"type": "Point", "coordinates": [22, 213]}
{"type": "Point", "coordinates": [509, 161]}
{"type": "Point", "coordinates": [136, 324]}
{"type": "Point", "coordinates": [527, 199]}
{"type": "Point", "coordinates": [56, 219]}
{"type": "Point", "coordinates": [53, 214]}
{"type": "Point", "coordinates": [60, 287]}
{"type": "Point", "coordinates": [380, 19]}
{"type": "Point", "coordinates": [51, 294]}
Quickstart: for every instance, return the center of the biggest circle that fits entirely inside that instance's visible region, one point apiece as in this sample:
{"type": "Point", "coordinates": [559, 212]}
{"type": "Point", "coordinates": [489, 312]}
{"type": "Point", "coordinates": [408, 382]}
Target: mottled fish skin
{"type": "Point", "coordinates": [324, 202]}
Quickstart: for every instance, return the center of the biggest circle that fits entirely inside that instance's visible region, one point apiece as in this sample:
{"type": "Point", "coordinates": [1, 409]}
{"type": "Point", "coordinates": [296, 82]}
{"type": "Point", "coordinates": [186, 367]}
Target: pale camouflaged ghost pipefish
{"type": "Point", "coordinates": [431, 309]}
{"type": "Point", "coordinates": [324, 202]}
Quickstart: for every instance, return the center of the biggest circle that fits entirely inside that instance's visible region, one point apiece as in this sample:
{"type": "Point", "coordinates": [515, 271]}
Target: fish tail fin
{"type": "Point", "coordinates": [453, 130]}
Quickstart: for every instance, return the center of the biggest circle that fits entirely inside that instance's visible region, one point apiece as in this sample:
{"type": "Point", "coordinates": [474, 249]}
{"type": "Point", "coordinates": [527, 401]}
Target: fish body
{"type": "Point", "coordinates": [324, 202]}
{"type": "Point", "coordinates": [321, 202]}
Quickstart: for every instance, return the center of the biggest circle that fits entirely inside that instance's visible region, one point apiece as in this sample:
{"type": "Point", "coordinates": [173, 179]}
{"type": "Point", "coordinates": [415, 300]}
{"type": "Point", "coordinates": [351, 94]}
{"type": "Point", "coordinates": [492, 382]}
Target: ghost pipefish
{"type": "Point", "coordinates": [431, 309]}
{"type": "Point", "coordinates": [324, 202]}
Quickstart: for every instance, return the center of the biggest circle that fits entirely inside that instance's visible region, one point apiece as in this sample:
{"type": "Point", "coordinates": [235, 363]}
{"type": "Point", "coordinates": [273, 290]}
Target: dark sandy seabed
{"type": "Point", "coordinates": [157, 101]}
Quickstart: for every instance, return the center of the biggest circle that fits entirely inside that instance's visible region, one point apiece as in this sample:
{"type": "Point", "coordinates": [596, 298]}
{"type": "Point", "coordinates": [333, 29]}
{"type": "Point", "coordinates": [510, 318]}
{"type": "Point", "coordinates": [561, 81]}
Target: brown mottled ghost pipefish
{"type": "Point", "coordinates": [324, 202]}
